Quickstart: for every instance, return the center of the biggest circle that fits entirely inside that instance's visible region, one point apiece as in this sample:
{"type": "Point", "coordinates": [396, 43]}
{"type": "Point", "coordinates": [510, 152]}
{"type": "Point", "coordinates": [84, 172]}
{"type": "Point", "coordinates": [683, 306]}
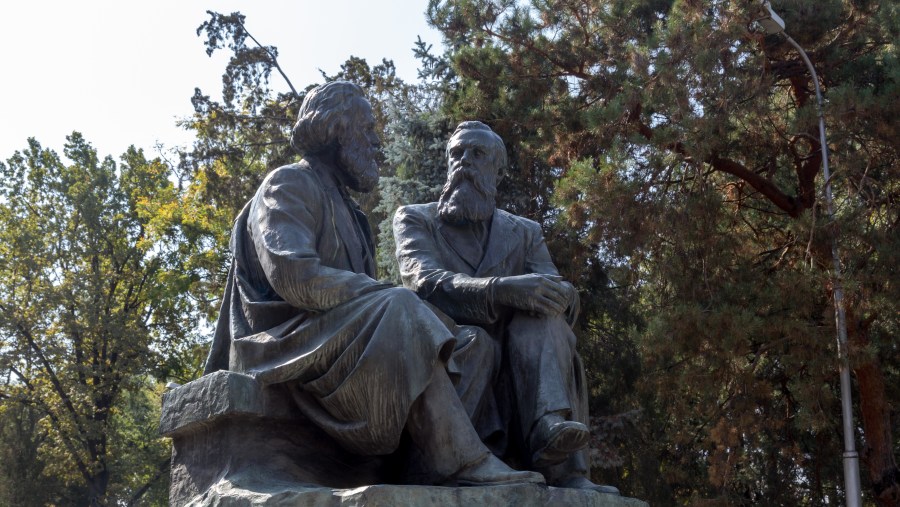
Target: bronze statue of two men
{"type": "Point", "coordinates": [474, 359]}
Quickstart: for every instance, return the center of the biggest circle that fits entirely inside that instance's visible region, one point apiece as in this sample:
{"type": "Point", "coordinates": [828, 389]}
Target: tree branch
{"type": "Point", "coordinates": [786, 203]}
{"type": "Point", "coordinates": [67, 441]}
{"type": "Point", "coordinates": [274, 60]}
{"type": "Point", "coordinates": [51, 373]}
{"type": "Point", "coordinates": [160, 470]}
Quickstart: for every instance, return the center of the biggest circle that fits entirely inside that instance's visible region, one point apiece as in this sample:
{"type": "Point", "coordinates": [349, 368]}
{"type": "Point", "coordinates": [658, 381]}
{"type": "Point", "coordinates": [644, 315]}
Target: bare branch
{"type": "Point", "coordinates": [274, 60]}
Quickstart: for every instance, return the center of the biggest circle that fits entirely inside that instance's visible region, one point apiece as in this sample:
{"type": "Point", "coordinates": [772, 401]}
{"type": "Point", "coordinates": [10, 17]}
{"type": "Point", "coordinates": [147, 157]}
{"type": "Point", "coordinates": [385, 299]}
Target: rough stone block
{"type": "Point", "coordinates": [208, 399]}
{"type": "Point", "coordinates": [226, 425]}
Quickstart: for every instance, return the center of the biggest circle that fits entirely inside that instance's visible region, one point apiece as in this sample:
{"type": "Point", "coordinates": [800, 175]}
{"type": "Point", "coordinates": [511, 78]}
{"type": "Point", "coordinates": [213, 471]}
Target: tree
{"type": "Point", "coordinates": [91, 296]}
{"type": "Point", "coordinates": [682, 146]}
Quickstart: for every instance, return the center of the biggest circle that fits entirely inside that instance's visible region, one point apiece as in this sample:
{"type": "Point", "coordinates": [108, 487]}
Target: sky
{"type": "Point", "coordinates": [123, 72]}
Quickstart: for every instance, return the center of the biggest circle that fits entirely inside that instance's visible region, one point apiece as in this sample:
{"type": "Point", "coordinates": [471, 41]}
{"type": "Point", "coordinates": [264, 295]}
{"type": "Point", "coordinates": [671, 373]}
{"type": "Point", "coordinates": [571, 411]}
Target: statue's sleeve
{"type": "Point", "coordinates": [464, 298]}
{"type": "Point", "coordinates": [537, 260]}
{"type": "Point", "coordinates": [537, 256]}
{"type": "Point", "coordinates": [283, 222]}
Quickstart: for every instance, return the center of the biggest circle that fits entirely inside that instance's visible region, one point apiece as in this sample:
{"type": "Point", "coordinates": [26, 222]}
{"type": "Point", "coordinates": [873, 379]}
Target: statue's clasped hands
{"type": "Point", "coordinates": [545, 295]}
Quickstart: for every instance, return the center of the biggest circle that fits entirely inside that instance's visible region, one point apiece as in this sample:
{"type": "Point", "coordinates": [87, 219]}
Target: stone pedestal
{"type": "Point", "coordinates": [238, 444]}
{"type": "Point", "coordinates": [234, 493]}
{"type": "Point", "coordinates": [225, 425]}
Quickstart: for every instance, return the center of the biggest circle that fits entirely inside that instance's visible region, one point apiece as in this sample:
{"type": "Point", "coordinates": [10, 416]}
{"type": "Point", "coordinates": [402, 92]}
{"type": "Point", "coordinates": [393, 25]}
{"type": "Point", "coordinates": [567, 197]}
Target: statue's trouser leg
{"type": "Point", "coordinates": [474, 358]}
{"type": "Point", "coordinates": [441, 432]}
{"type": "Point", "coordinates": [548, 377]}
{"type": "Point", "coordinates": [474, 370]}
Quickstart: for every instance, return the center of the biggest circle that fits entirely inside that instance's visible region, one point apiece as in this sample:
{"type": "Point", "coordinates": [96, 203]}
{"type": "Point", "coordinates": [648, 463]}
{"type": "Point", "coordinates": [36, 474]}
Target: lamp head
{"type": "Point", "coordinates": [769, 20]}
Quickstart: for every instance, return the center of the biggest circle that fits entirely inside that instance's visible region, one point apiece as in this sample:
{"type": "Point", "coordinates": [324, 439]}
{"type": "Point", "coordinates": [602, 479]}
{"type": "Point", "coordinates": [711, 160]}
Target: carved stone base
{"type": "Point", "coordinates": [240, 492]}
{"type": "Point", "coordinates": [238, 444]}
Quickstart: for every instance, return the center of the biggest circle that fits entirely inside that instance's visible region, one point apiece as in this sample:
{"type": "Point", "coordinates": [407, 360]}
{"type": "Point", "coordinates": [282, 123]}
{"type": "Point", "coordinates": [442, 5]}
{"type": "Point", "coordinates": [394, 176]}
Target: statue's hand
{"type": "Point", "coordinates": [544, 295]}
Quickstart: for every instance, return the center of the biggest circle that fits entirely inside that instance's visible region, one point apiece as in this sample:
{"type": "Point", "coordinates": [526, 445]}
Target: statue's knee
{"type": "Point", "coordinates": [524, 320]}
{"type": "Point", "coordinates": [403, 296]}
{"type": "Point", "coordinates": [406, 304]}
{"type": "Point", "coordinates": [401, 299]}
{"type": "Point", "coordinates": [475, 345]}
{"type": "Point", "coordinates": [525, 328]}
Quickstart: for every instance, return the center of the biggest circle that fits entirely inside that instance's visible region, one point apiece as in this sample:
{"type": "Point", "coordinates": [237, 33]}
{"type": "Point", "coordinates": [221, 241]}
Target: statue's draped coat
{"type": "Point", "coordinates": [302, 307]}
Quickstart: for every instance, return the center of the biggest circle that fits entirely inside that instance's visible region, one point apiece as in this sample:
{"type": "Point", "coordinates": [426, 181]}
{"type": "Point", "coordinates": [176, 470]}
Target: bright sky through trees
{"type": "Point", "coordinates": [122, 73]}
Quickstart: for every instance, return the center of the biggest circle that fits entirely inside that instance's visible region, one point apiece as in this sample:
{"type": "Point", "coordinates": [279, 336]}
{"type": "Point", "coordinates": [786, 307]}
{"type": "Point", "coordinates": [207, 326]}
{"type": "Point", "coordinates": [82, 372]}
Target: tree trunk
{"type": "Point", "coordinates": [875, 411]}
{"type": "Point", "coordinates": [874, 407]}
{"type": "Point", "coordinates": [97, 489]}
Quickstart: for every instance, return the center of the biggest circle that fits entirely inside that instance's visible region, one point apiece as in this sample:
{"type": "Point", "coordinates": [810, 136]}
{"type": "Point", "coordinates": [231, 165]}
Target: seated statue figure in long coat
{"type": "Point", "coordinates": [365, 361]}
{"type": "Point", "coordinates": [483, 266]}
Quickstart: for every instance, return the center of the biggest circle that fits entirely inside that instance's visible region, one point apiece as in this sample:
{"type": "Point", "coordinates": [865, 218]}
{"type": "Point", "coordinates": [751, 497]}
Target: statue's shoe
{"type": "Point", "coordinates": [554, 439]}
{"type": "Point", "coordinates": [579, 482]}
{"type": "Point", "coordinates": [493, 472]}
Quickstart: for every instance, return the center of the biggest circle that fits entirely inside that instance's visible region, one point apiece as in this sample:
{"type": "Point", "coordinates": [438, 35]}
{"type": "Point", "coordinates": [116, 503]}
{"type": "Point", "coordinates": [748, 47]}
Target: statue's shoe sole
{"type": "Point", "coordinates": [580, 482]}
{"type": "Point", "coordinates": [523, 478]}
{"type": "Point", "coordinates": [493, 472]}
{"type": "Point", "coordinates": [565, 438]}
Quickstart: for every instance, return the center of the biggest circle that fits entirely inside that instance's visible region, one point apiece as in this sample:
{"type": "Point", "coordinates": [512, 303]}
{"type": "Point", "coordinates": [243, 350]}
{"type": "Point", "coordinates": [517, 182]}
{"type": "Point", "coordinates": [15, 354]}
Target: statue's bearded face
{"type": "Point", "coordinates": [358, 147]}
{"type": "Point", "coordinates": [471, 188]}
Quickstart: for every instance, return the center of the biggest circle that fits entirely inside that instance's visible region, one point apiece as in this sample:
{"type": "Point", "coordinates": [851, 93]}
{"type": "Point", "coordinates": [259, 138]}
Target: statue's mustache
{"type": "Point", "coordinates": [457, 176]}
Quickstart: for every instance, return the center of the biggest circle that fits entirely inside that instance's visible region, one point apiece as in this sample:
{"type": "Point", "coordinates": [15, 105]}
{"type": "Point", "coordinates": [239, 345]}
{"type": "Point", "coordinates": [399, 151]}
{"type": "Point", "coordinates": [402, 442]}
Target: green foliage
{"type": "Point", "coordinates": [140, 458]}
{"type": "Point", "coordinates": [23, 480]}
{"type": "Point", "coordinates": [90, 295]}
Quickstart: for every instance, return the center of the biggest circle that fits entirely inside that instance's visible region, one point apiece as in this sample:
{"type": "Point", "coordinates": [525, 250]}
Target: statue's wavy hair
{"type": "Point", "coordinates": [326, 111]}
{"type": "Point", "coordinates": [498, 148]}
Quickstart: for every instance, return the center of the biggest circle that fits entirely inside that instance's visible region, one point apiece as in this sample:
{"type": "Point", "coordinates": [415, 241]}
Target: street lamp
{"type": "Point", "coordinates": [773, 24]}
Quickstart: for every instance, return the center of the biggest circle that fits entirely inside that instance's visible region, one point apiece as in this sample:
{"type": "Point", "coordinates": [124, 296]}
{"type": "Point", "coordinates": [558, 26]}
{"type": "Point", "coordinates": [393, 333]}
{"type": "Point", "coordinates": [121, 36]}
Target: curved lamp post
{"type": "Point", "coordinates": [773, 24]}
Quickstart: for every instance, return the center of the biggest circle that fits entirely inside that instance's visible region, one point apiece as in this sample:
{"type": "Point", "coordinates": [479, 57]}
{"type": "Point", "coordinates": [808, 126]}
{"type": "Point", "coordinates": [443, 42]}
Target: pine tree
{"type": "Point", "coordinates": [682, 145]}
